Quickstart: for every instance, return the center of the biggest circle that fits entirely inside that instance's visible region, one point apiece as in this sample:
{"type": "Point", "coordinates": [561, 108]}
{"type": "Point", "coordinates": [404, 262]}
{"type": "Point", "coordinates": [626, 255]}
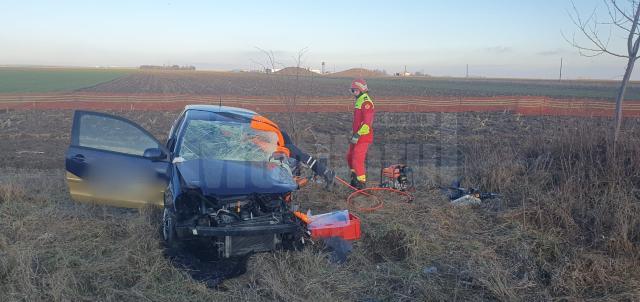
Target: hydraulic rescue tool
{"type": "Point", "coordinates": [398, 176]}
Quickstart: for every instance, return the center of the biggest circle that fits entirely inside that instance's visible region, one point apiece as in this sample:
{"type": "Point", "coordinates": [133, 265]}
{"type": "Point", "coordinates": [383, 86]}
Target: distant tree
{"type": "Point", "coordinates": [292, 99]}
{"type": "Point", "coordinates": [620, 19]}
{"type": "Point", "coordinates": [380, 71]}
{"type": "Point", "coordinates": [270, 63]}
{"type": "Point", "coordinates": [289, 89]}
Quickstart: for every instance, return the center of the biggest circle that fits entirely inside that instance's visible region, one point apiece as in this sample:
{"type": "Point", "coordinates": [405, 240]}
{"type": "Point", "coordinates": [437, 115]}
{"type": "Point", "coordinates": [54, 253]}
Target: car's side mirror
{"type": "Point", "coordinates": [154, 154]}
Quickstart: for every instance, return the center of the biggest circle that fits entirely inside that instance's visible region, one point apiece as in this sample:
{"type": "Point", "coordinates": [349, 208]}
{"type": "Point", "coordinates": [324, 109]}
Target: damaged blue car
{"type": "Point", "coordinates": [220, 176]}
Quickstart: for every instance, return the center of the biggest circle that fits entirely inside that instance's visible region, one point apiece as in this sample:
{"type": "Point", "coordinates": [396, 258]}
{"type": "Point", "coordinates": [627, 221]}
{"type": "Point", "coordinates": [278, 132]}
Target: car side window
{"type": "Point", "coordinates": [107, 133]}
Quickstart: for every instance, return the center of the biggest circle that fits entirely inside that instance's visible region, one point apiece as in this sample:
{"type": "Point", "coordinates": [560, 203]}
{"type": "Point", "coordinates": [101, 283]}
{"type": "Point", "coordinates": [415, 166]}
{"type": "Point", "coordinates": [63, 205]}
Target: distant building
{"type": "Point", "coordinates": [168, 67]}
{"type": "Point", "coordinates": [402, 74]}
{"type": "Point", "coordinates": [421, 74]}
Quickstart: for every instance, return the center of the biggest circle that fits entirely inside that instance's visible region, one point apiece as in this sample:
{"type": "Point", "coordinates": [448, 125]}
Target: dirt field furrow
{"type": "Point", "coordinates": [519, 105]}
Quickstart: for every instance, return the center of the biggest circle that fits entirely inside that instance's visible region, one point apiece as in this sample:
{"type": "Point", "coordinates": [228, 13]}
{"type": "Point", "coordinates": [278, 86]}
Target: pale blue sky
{"type": "Point", "coordinates": [497, 38]}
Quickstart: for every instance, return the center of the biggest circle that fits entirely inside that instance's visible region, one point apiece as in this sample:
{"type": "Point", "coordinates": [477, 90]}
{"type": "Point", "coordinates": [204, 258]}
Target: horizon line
{"type": "Point", "coordinates": [241, 70]}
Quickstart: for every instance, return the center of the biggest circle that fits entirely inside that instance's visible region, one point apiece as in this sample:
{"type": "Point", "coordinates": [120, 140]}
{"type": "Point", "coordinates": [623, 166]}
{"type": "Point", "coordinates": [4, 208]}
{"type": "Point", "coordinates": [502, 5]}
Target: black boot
{"type": "Point", "coordinates": [360, 185]}
{"type": "Point", "coordinates": [354, 179]}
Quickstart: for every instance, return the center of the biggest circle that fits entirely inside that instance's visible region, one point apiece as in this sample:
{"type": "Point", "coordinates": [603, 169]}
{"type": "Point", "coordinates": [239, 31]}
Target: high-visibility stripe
{"type": "Point", "coordinates": [364, 129]}
{"type": "Point", "coordinates": [312, 163]}
{"type": "Point", "coordinates": [362, 99]}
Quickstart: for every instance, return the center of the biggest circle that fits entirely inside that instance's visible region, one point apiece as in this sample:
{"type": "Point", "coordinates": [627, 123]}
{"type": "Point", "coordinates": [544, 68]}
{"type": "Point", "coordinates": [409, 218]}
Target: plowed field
{"type": "Point", "coordinates": [263, 85]}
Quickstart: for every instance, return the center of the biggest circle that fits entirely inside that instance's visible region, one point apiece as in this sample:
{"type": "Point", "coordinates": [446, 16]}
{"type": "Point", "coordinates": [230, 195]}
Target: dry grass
{"type": "Point", "coordinates": [575, 199]}
{"type": "Point", "coordinates": [55, 250]}
{"type": "Point", "coordinates": [568, 229]}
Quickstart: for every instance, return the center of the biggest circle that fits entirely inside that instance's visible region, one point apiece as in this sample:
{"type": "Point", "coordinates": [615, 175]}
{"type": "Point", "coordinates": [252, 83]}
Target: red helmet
{"type": "Point", "coordinates": [360, 85]}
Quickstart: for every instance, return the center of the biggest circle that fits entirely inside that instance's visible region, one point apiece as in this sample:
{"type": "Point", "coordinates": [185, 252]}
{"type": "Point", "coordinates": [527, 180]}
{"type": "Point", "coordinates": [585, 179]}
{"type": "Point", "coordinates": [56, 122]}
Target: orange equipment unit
{"type": "Point", "coordinates": [399, 177]}
{"type": "Point", "coordinates": [391, 171]}
{"type": "Point", "coordinates": [350, 231]}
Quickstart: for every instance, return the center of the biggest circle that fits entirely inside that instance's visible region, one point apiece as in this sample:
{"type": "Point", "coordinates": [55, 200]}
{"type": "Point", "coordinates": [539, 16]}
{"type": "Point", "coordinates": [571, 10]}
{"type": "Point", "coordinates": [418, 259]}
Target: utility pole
{"type": "Point", "coordinates": [560, 69]}
{"type": "Point", "coordinates": [405, 71]}
{"type": "Point", "coordinates": [322, 67]}
{"type": "Point", "coordinates": [467, 71]}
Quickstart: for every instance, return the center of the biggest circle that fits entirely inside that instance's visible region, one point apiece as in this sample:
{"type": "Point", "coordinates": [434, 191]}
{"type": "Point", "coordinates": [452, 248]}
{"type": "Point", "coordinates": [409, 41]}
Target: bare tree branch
{"type": "Point", "coordinates": [622, 23]}
{"type": "Point", "coordinates": [622, 12]}
{"type": "Point", "coordinates": [293, 100]}
{"type": "Point", "coordinates": [633, 51]}
{"type": "Point", "coordinates": [622, 20]}
{"type": "Point", "coordinates": [589, 29]}
{"type": "Point", "coordinates": [271, 58]}
{"type": "Point", "coordinates": [591, 52]}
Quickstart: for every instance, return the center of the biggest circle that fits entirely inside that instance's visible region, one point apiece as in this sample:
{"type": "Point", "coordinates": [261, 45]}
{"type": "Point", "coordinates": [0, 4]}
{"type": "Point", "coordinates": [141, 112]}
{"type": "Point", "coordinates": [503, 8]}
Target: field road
{"type": "Point", "coordinates": [162, 102]}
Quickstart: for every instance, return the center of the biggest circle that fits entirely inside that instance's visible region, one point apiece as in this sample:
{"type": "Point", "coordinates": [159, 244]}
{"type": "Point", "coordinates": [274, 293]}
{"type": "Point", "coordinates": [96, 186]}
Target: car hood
{"type": "Point", "coordinates": [224, 178]}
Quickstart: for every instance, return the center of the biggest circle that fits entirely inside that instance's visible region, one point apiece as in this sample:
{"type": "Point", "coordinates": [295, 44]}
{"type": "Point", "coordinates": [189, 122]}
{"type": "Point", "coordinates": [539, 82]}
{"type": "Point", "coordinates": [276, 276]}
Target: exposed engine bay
{"type": "Point", "coordinates": [238, 225]}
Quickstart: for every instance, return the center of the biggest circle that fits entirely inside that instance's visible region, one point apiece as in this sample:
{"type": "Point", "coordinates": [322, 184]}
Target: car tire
{"type": "Point", "coordinates": [292, 242]}
{"type": "Point", "coordinates": [169, 228]}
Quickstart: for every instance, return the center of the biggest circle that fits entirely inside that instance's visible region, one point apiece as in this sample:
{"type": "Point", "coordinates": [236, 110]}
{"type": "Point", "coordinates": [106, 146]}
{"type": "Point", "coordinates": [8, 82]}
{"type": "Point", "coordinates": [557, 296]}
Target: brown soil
{"type": "Point", "coordinates": [337, 85]}
{"type": "Point", "coordinates": [541, 106]}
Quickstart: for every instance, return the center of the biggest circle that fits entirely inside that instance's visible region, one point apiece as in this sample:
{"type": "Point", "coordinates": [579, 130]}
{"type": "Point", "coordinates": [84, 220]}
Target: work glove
{"type": "Point", "coordinates": [355, 138]}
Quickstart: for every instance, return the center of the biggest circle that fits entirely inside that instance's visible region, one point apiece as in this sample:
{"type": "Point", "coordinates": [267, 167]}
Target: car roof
{"type": "Point", "coordinates": [217, 109]}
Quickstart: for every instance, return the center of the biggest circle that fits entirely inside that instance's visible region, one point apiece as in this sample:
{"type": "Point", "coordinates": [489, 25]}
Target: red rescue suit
{"type": "Point", "coordinates": [363, 126]}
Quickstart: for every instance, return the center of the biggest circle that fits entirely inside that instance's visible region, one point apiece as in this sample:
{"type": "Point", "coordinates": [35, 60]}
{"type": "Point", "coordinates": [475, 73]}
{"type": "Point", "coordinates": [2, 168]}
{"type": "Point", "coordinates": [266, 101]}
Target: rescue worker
{"type": "Point", "coordinates": [286, 146]}
{"type": "Point", "coordinates": [361, 133]}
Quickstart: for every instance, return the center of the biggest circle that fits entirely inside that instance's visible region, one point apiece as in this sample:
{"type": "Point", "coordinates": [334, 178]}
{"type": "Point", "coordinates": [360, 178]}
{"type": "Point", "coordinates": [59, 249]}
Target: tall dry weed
{"type": "Point", "coordinates": [575, 194]}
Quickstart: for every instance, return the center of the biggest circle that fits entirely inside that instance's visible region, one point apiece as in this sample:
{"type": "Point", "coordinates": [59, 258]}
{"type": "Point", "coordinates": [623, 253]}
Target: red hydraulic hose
{"type": "Point", "coordinates": [379, 203]}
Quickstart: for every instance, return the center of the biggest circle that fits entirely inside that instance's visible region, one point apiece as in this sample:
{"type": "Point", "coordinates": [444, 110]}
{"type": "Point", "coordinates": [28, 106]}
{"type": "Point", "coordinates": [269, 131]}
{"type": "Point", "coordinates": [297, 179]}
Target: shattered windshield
{"type": "Point", "coordinates": [226, 140]}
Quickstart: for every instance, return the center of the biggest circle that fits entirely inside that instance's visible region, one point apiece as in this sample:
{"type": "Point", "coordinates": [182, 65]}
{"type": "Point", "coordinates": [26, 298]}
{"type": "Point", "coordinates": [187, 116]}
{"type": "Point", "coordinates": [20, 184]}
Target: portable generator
{"type": "Point", "coordinates": [398, 176]}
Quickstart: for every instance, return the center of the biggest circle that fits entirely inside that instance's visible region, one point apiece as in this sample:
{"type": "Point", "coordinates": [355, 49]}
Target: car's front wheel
{"type": "Point", "coordinates": [169, 228]}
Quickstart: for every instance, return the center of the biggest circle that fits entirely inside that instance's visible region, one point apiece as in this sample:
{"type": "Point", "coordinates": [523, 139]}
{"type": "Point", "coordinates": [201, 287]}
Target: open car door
{"type": "Point", "coordinates": [113, 161]}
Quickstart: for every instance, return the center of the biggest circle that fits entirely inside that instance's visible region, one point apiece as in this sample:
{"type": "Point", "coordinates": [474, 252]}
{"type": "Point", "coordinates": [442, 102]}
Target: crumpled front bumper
{"type": "Point", "coordinates": [202, 231]}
